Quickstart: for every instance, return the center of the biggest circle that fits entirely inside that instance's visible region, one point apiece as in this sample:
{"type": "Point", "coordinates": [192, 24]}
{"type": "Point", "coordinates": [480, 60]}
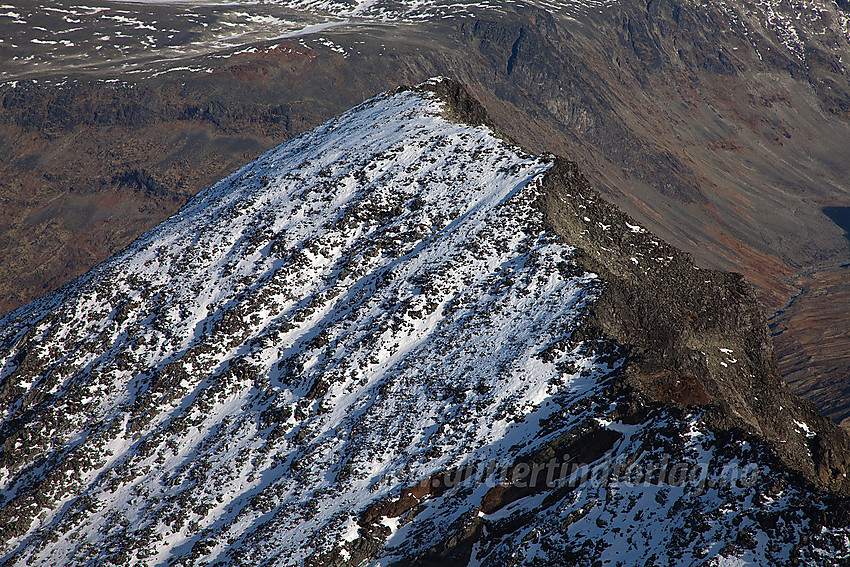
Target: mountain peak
{"type": "Point", "coordinates": [387, 340]}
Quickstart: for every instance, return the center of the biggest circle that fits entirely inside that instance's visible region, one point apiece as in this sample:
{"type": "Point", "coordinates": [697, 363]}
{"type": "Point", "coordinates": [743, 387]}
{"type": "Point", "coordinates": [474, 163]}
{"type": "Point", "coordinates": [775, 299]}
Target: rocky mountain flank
{"type": "Point", "coordinates": [676, 321]}
{"type": "Point", "coordinates": [391, 340]}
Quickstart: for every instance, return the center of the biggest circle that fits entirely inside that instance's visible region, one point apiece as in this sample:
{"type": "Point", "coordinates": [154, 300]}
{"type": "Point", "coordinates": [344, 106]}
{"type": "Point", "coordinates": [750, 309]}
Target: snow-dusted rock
{"type": "Point", "coordinates": [367, 346]}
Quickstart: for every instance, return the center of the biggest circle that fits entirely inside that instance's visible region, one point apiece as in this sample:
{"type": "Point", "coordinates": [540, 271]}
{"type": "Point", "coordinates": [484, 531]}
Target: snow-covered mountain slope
{"type": "Point", "coordinates": [367, 347]}
{"type": "Point", "coordinates": [302, 331]}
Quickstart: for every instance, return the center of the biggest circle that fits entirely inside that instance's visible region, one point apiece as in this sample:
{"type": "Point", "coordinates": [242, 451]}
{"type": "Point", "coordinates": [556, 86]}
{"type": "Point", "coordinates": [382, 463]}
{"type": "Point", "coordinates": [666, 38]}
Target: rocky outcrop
{"type": "Point", "coordinates": [694, 337]}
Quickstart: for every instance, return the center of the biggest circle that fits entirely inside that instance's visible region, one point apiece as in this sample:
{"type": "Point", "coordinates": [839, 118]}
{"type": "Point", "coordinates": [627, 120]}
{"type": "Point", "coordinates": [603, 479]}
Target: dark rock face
{"type": "Point", "coordinates": [460, 105]}
{"type": "Point", "coordinates": [683, 326]}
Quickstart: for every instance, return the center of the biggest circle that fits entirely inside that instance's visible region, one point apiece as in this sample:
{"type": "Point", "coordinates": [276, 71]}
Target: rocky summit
{"type": "Point", "coordinates": [401, 339]}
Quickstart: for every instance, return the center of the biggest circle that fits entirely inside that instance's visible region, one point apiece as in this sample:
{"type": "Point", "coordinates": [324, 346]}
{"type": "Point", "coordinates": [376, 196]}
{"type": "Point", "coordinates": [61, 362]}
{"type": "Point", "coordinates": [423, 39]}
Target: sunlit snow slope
{"type": "Point", "coordinates": [269, 377]}
{"type": "Point", "coordinates": [357, 309]}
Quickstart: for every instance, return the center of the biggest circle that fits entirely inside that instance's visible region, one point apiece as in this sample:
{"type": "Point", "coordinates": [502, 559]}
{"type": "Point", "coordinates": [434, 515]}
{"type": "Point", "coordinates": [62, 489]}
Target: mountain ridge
{"type": "Point", "coordinates": [592, 227]}
{"type": "Point", "coordinates": [290, 368]}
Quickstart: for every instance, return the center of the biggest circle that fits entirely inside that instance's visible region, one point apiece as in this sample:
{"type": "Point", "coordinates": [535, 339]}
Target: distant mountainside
{"type": "Point", "coordinates": [398, 338]}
